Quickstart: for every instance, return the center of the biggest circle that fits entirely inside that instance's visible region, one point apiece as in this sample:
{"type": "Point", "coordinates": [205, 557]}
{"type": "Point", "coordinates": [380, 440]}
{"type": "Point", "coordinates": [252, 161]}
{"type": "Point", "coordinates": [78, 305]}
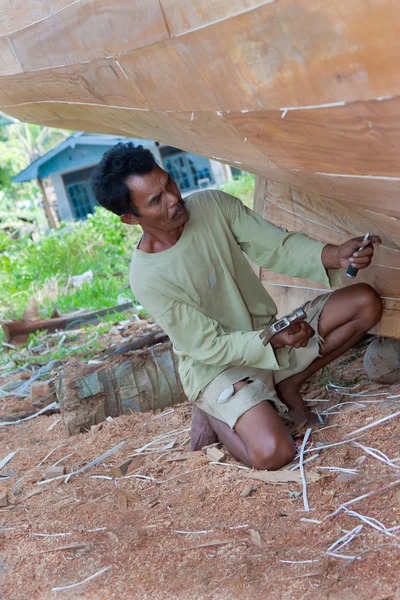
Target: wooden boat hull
{"type": "Point", "coordinates": [305, 94]}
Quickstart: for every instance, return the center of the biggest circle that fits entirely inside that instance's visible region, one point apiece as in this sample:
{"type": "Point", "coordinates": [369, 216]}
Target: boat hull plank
{"type": "Point", "coordinates": [330, 221]}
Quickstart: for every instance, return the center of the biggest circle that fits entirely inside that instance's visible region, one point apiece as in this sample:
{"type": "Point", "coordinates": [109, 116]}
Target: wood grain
{"type": "Point", "coordinates": [295, 54]}
{"type": "Point", "coordinates": [358, 138]}
{"type": "Point", "coordinates": [88, 30]}
{"type": "Point", "coordinates": [19, 13]}
{"type": "Point", "coordinates": [333, 214]}
{"type": "Point", "coordinates": [9, 63]}
{"type": "Point", "coordinates": [184, 15]}
{"type": "Point", "coordinates": [74, 83]}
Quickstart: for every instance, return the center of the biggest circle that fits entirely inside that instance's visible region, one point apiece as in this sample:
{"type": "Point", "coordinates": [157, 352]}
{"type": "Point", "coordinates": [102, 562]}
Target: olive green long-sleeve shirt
{"type": "Point", "coordinates": [205, 295]}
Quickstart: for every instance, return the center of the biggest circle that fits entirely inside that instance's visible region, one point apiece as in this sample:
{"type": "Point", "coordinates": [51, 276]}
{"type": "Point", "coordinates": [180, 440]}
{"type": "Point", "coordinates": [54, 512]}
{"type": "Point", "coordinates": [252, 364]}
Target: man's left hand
{"type": "Point", "coordinates": [334, 257]}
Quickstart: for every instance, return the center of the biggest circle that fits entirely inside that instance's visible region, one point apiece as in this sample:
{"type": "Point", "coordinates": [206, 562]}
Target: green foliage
{"type": "Point", "coordinates": [42, 270]}
{"type": "Point", "coordinates": [242, 187]}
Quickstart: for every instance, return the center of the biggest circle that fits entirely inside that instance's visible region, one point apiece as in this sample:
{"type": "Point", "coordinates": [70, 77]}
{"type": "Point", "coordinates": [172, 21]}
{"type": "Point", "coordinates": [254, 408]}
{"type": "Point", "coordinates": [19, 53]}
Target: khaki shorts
{"type": "Point", "coordinates": [263, 382]}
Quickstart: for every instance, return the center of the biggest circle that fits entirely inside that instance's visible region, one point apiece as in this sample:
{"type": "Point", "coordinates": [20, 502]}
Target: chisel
{"type": "Point", "coordinates": [352, 271]}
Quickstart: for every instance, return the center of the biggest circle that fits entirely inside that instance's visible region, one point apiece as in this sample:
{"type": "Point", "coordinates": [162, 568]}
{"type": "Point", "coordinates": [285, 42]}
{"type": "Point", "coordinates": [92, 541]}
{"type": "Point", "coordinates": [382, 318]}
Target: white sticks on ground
{"type": "Point", "coordinates": [374, 424]}
{"type": "Point", "coordinates": [96, 461]}
{"type": "Point", "coordinates": [318, 448]}
{"type": "Point", "coordinates": [340, 470]}
{"type": "Point", "coordinates": [301, 466]}
{"type": "Point", "coordinates": [372, 522]}
{"type": "Point", "coordinates": [359, 498]}
{"type": "Point", "coordinates": [39, 412]}
{"type": "Point", "coordinates": [344, 540]}
{"type": "Point", "coordinates": [49, 454]}
{"type": "Point", "coordinates": [68, 587]}
{"type": "Point", "coordinates": [193, 532]}
{"type": "Point", "coordinates": [224, 464]}
{"type": "Point", "coordinates": [378, 454]}
{"type": "Point", "coordinates": [297, 465]}
{"type": "Point", "coordinates": [7, 458]}
{"type": "Point", "coordinates": [170, 435]}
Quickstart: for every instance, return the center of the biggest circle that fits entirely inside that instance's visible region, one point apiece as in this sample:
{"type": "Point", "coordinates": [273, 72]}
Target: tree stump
{"type": "Point", "coordinates": [382, 360]}
{"type": "Point", "coordinates": [142, 381]}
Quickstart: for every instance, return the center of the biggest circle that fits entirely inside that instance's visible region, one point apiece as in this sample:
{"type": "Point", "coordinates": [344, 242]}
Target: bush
{"type": "Point", "coordinates": [102, 244]}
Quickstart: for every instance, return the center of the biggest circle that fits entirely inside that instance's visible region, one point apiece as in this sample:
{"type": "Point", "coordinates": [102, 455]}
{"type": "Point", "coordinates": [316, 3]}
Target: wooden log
{"type": "Point", "coordinates": [17, 332]}
{"type": "Point", "coordinates": [149, 339]}
{"type": "Point", "coordinates": [146, 380]}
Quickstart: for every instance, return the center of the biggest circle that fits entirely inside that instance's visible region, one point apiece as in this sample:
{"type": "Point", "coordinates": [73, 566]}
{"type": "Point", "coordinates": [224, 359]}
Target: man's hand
{"type": "Point", "coordinates": [297, 336]}
{"type": "Point", "coordinates": [334, 257]}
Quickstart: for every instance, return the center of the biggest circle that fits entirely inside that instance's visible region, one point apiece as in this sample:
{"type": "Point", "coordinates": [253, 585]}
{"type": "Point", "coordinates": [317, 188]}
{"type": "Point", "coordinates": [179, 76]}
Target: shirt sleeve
{"type": "Point", "coordinates": [274, 248]}
{"type": "Point", "coordinates": [204, 340]}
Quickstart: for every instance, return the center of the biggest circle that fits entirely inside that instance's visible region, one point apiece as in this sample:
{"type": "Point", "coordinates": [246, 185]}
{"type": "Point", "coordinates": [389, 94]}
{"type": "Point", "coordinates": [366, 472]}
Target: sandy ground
{"type": "Point", "coordinates": [263, 546]}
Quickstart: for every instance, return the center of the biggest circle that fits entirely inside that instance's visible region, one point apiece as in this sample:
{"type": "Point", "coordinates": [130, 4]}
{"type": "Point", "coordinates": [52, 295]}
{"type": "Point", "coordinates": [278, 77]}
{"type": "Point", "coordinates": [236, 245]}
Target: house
{"type": "Point", "coordinates": [70, 164]}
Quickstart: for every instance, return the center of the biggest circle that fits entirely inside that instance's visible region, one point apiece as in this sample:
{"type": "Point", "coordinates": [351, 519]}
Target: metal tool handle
{"type": "Point", "coordinates": [352, 271]}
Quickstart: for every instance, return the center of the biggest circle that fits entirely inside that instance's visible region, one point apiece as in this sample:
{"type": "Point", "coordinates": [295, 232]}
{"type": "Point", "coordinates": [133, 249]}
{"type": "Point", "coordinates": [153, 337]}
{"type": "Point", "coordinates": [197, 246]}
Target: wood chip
{"type": "Point", "coordinates": [53, 472]}
{"type": "Point", "coordinates": [255, 538]}
{"type": "Point", "coordinates": [35, 492]}
{"type": "Point", "coordinates": [73, 546]}
{"type": "Point", "coordinates": [122, 500]}
{"type": "Point", "coordinates": [215, 455]}
{"type": "Point", "coordinates": [247, 490]}
{"type": "Point", "coordinates": [215, 445]}
{"type": "Point", "coordinates": [121, 469]}
{"type": "Point", "coordinates": [137, 462]}
{"type": "Point", "coordinates": [347, 477]}
{"type": "Point", "coordinates": [3, 499]}
{"type": "Point", "coordinates": [177, 458]}
{"type": "Point", "coordinates": [278, 477]}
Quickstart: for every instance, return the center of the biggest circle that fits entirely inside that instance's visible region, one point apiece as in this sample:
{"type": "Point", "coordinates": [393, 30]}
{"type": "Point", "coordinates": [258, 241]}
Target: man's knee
{"type": "Point", "coordinates": [367, 304]}
{"type": "Point", "coordinates": [274, 455]}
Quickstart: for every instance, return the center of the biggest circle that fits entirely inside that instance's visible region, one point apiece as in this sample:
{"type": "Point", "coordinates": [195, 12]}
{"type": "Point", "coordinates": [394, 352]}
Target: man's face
{"type": "Point", "coordinates": [158, 200]}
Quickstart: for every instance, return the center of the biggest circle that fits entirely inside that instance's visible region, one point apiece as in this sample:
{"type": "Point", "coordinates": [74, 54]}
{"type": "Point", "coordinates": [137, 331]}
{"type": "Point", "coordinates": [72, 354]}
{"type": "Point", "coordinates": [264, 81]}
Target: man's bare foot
{"type": "Point", "coordinates": [306, 416]}
{"type": "Point", "coordinates": [201, 432]}
{"type": "Point", "coordinates": [289, 394]}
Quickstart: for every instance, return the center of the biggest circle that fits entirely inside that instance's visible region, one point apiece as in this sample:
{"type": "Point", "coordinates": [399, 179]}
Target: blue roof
{"type": "Point", "coordinates": [78, 138]}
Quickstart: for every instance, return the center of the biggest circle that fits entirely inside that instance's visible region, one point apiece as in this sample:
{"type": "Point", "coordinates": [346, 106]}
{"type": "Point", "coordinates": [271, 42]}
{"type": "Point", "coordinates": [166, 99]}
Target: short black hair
{"type": "Point", "coordinates": [109, 178]}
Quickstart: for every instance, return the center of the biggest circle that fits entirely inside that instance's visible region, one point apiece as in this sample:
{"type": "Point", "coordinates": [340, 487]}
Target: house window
{"type": "Point", "coordinates": [188, 170]}
{"type": "Point", "coordinates": [79, 192]}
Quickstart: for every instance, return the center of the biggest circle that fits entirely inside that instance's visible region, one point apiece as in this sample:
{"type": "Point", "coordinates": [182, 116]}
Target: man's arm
{"type": "Point", "coordinates": [293, 254]}
{"type": "Point", "coordinates": [289, 253]}
{"type": "Point", "coordinates": [204, 340]}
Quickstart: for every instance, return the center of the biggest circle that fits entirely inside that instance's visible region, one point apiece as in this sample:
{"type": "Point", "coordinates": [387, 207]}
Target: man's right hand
{"type": "Point", "coordinates": [297, 336]}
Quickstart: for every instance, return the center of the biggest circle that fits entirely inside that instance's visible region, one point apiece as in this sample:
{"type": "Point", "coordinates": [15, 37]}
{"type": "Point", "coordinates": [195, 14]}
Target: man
{"type": "Point", "coordinates": [190, 272]}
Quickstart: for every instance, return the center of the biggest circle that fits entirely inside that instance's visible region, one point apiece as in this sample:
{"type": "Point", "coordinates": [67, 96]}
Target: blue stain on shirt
{"type": "Point", "coordinates": [212, 280]}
